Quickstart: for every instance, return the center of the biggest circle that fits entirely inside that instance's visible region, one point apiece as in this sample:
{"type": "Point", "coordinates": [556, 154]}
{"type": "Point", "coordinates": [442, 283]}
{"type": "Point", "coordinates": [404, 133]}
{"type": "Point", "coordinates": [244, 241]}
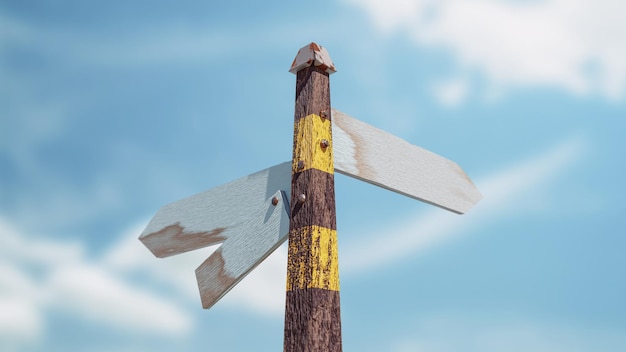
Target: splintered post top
{"type": "Point", "coordinates": [312, 55]}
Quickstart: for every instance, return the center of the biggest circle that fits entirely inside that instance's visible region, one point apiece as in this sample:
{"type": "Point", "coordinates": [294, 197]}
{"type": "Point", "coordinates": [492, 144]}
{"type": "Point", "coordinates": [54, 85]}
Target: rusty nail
{"type": "Point", "coordinates": [301, 198]}
{"type": "Point", "coordinates": [323, 114]}
{"type": "Point", "coordinates": [324, 143]}
{"type": "Point", "coordinates": [274, 201]}
{"type": "Point", "coordinates": [300, 164]}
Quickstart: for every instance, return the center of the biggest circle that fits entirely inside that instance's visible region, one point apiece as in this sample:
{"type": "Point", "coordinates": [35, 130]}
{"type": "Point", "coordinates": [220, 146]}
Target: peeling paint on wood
{"type": "Point", "coordinates": [313, 129]}
{"type": "Point", "coordinates": [241, 214]}
{"type": "Point", "coordinates": [250, 244]}
{"type": "Point", "coordinates": [321, 269]}
{"type": "Point", "coordinates": [208, 218]}
{"type": "Point", "coordinates": [173, 239]}
{"type": "Point", "coordinates": [312, 312]}
{"type": "Point", "coordinates": [377, 157]}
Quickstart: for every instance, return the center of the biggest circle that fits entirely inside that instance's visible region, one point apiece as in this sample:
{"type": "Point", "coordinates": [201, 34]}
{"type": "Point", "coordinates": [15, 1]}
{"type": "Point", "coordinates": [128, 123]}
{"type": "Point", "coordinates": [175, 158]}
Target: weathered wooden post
{"type": "Point", "coordinates": [312, 315]}
{"type": "Point", "coordinates": [252, 216]}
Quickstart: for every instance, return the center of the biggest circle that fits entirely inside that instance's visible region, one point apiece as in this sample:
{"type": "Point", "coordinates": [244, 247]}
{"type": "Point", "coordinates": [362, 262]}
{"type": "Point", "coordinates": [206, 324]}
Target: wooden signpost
{"type": "Point", "coordinates": [312, 319]}
{"type": "Point", "coordinates": [254, 215]}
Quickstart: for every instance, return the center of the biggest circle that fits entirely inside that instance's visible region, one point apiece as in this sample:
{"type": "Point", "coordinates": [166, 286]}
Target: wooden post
{"type": "Point", "coordinates": [249, 215]}
{"type": "Point", "coordinates": [312, 315]}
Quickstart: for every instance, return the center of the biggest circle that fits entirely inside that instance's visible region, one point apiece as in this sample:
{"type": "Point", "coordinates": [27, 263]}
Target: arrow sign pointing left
{"type": "Point", "coordinates": [249, 216]}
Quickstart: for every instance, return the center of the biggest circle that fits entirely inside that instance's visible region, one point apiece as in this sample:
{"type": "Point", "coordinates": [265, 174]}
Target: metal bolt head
{"type": "Point", "coordinates": [275, 201]}
{"type": "Point", "coordinates": [301, 164]}
{"type": "Point", "coordinates": [301, 198]}
{"type": "Point", "coordinates": [324, 143]}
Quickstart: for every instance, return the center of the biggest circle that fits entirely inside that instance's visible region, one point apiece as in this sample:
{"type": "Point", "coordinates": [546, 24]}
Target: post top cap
{"type": "Point", "coordinates": [312, 55]}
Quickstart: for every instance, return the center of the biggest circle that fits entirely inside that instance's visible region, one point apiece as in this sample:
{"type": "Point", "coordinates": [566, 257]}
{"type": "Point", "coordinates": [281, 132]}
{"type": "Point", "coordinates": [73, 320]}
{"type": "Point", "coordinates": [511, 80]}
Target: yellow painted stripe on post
{"type": "Point", "coordinates": [322, 270]}
{"type": "Point", "coordinates": [309, 152]}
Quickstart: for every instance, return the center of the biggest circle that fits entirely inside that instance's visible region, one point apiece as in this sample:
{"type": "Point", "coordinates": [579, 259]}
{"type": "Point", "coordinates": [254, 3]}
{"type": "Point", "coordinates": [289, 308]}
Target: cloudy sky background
{"type": "Point", "coordinates": [110, 110]}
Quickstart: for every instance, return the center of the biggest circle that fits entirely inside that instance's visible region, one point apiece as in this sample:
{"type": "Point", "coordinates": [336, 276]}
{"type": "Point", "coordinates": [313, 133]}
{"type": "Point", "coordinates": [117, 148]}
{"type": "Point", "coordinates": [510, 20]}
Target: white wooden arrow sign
{"type": "Point", "coordinates": [250, 215]}
{"type": "Point", "coordinates": [375, 156]}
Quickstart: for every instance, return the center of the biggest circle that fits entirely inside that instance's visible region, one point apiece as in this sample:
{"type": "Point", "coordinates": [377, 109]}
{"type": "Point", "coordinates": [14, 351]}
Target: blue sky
{"type": "Point", "coordinates": [109, 110]}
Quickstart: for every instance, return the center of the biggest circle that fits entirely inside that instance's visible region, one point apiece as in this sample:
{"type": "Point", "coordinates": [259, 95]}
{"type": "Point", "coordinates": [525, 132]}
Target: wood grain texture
{"type": "Point", "coordinates": [377, 157]}
{"type": "Point", "coordinates": [313, 321]}
{"type": "Point", "coordinates": [321, 267]}
{"type": "Point", "coordinates": [211, 217]}
{"type": "Point", "coordinates": [319, 207]}
{"type": "Point", "coordinates": [242, 214]}
{"type": "Point", "coordinates": [312, 314]}
{"type": "Point", "coordinates": [312, 93]}
{"type": "Point", "coordinates": [312, 154]}
{"type": "Point", "coordinates": [252, 242]}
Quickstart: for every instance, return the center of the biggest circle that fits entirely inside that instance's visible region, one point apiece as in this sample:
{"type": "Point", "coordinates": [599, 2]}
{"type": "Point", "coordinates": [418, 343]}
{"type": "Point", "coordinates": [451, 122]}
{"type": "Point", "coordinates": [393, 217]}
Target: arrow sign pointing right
{"type": "Point", "coordinates": [377, 157]}
{"type": "Point", "coordinates": [242, 214]}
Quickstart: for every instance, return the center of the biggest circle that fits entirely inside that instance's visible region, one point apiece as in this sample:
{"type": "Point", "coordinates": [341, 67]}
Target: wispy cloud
{"type": "Point", "coordinates": [21, 320]}
{"type": "Point", "coordinates": [137, 46]}
{"type": "Point", "coordinates": [101, 290]}
{"type": "Point", "coordinates": [452, 92]}
{"type": "Point", "coordinates": [263, 290]}
{"type": "Point", "coordinates": [504, 191]}
{"type": "Point", "coordinates": [92, 293]}
{"type": "Point", "coordinates": [448, 333]}
{"type": "Point", "coordinates": [146, 45]}
{"type": "Point", "coordinates": [575, 45]}
{"type": "Point", "coordinates": [257, 293]}
{"type": "Point", "coordinates": [38, 276]}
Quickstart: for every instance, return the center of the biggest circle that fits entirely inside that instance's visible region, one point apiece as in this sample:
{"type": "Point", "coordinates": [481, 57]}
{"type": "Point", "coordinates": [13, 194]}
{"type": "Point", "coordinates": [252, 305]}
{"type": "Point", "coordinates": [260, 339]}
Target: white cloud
{"type": "Point", "coordinates": [39, 275]}
{"type": "Point", "coordinates": [130, 257]}
{"type": "Point", "coordinates": [20, 323]}
{"type": "Point", "coordinates": [261, 292]}
{"type": "Point", "coordinates": [503, 191]}
{"type": "Point", "coordinates": [447, 333]}
{"type": "Point", "coordinates": [36, 251]}
{"type": "Point", "coordinates": [93, 293]}
{"type": "Point", "coordinates": [101, 290]}
{"type": "Point", "coordinates": [20, 320]}
{"type": "Point", "coordinates": [575, 45]}
{"type": "Point", "coordinates": [451, 92]}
